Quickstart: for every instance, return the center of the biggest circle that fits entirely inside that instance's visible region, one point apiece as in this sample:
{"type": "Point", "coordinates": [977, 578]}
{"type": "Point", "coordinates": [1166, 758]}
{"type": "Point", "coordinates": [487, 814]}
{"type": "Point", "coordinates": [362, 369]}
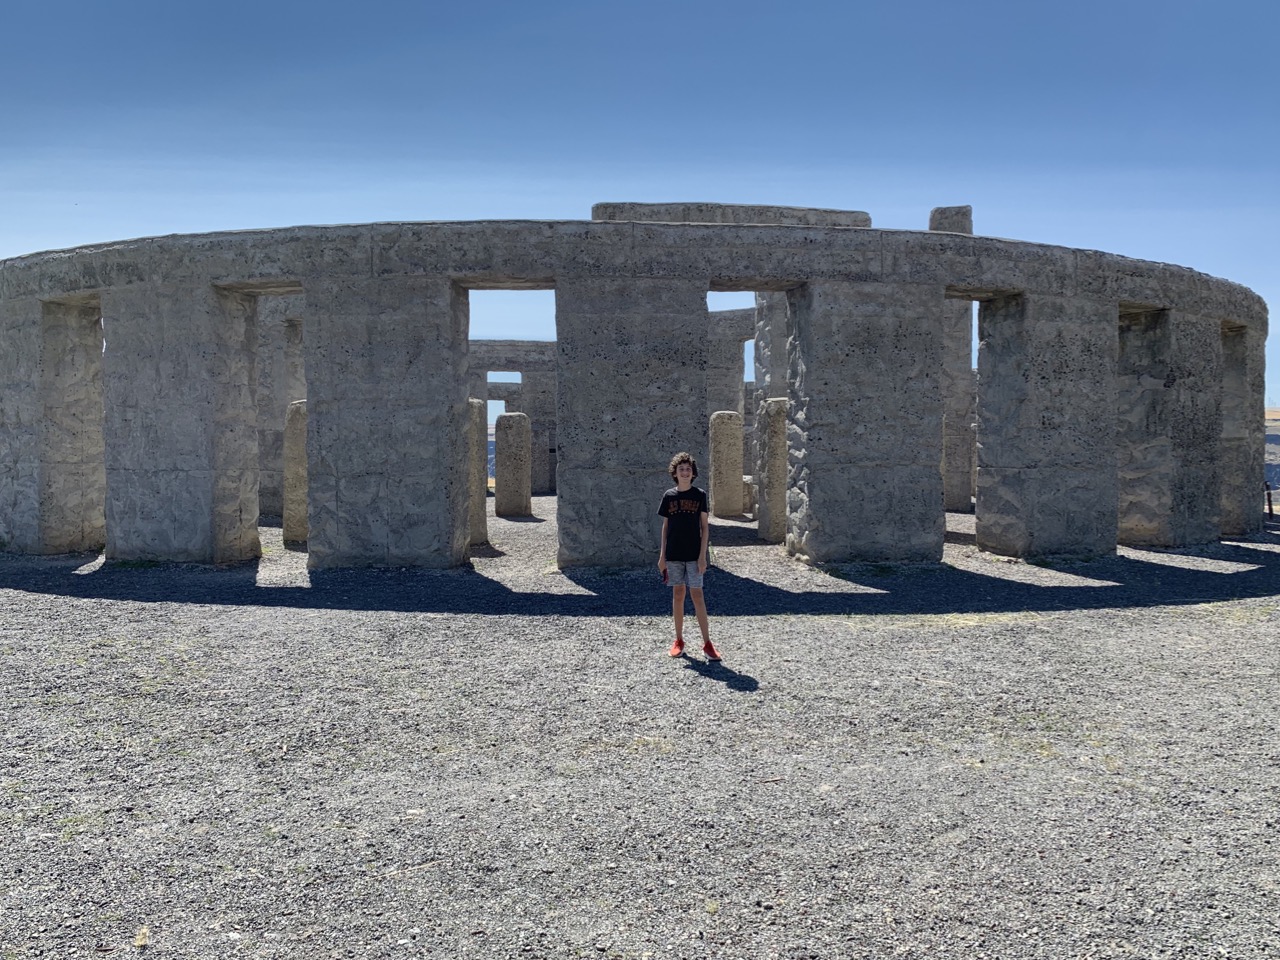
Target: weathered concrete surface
{"type": "Point", "coordinates": [181, 423]}
{"type": "Point", "coordinates": [294, 507]}
{"type": "Point", "coordinates": [1242, 448]}
{"type": "Point", "coordinates": [958, 387]}
{"type": "Point", "coordinates": [626, 346]}
{"type": "Point", "coordinates": [535, 361]}
{"type": "Point", "coordinates": [477, 471]}
{"type": "Point", "coordinates": [387, 404]}
{"type": "Point", "coordinates": [726, 464]}
{"type": "Point", "coordinates": [281, 381]}
{"type": "Point", "coordinates": [1169, 425]}
{"type": "Point", "coordinates": [771, 481]}
{"type": "Point", "coordinates": [511, 478]}
{"type": "Point", "coordinates": [727, 331]}
{"type": "Point", "coordinates": [865, 423]}
{"type": "Point", "coordinates": [509, 394]}
{"type": "Point", "coordinates": [1047, 482]}
{"type": "Point", "coordinates": [729, 213]}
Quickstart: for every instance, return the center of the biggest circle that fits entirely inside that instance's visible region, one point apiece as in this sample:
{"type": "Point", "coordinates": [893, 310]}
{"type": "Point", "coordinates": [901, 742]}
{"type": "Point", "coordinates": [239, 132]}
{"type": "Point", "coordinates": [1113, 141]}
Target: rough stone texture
{"type": "Point", "coordinates": [72, 460]}
{"type": "Point", "coordinates": [1242, 447]}
{"type": "Point", "coordinates": [958, 387]}
{"type": "Point", "coordinates": [1169, 425]}
{"type": "Point", "coordinates": [748, 403]}
{"type": "Point", "coordinates": [511, 481]}
{"type": "Point", "coordinates": [535, 360]}
{"type": "Point", "coordinates": [729, 213]}
{"type": "Point", "coordinates": [294, 501]}
{"type": "Point", "coordinates": [770, 363]}
{"type": "Point", "coordinates": [1047, 482]}
{"type": "Point", "coordinates": [181, 423]}
{"type": "Point", "coordinates": [865, 423]}
{"type": "Point", "coordinates": [727, 332]}
{"type": "Point", "coordinates": [477, 471]}
{"type": "Point", "coordinates": [281, 381]}
{"type": "Point", "coordinates": [726, 464]}
{"type": "Point", "coordinates": [632, 406]}
{"type": "Point", "coordinates": [771, 480]}
{"type": "Point", "coordinates": [387, 405]}
{"type": "Point", "coordinates": [21, 411]}
{"type": "Point", "coordinates": [509, 394]}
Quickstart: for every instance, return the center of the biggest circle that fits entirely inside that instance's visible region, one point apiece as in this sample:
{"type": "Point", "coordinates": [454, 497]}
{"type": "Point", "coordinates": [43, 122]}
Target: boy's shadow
{"type": "Point", "coordinates": [732, 679]}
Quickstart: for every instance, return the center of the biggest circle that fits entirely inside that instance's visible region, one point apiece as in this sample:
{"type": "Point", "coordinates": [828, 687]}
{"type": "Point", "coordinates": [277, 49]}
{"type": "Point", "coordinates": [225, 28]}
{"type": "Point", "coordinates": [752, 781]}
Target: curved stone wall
{"type": "Point", "coordinates": [1117, 398]}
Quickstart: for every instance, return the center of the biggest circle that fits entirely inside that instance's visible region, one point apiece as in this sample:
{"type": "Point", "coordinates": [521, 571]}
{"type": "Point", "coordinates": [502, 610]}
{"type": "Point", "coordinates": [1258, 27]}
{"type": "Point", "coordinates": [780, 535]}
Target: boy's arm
{"type": "Point", "coordinates": [662, 547]}
{"type": "Point", "coordinates": [705, 520]}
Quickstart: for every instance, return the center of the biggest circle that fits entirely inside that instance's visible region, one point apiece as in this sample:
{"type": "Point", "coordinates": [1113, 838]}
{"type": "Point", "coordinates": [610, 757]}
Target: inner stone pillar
{"type": "Point", "coordinates": [478, 470]}
{"type": "Point", "coordinates": [631, 395]}
{"type": "Point", "coordinates": [280, 383]}
{"type": "Point", "coordinates": [771, 481]}
{"type": "Point", "coordinates": [1046, 426]}
{"type": "Point", "coordinates": [1169, 385]}
{"type": "Point", "coordinates": [957, 379]}
{"type": "Point", "coordinates": [294, 499]}
{"type": "Point", "coordinates": [21, 410]}
{"type": "Point", "coordinates": [1242, 441]}
{"type": "Point", "coordinates": [865, 422]}
{"type": "Point", "coordinates": [387, 410]}
{"type": "Point", "coordinates": [511, 438]}
{"type": "Point", "coordinates": [181, 423]}
{"type": "Point", "coordinates": [726, 464]}
{"type": "Point", "coordinates": [770, 361]}
{"type": "Point", "coordinates": [539, 402]}
{"type": "Point", "coordinates": [726, 333]}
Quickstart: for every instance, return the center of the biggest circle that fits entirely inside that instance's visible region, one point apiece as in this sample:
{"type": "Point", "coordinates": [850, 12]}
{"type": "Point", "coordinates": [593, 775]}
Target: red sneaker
{"type": "Point", "coordinates": [677, 648]}
{"type": "Point", "coordinates": [710, 652]}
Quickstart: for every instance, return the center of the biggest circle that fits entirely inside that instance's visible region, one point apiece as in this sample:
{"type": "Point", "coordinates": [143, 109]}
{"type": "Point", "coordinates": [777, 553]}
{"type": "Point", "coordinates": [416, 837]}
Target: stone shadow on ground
{"type": "Point", "coordinates": [856, 590]}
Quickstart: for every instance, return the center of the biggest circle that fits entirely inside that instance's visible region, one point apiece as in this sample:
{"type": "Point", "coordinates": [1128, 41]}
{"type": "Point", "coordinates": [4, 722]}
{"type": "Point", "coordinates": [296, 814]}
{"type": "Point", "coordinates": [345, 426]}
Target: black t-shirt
{"type": "Point", "coordinates": [684, 522]}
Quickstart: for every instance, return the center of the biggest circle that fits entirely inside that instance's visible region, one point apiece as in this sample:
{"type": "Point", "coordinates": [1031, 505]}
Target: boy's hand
{"type": "Point", "coordinates": [662, 564]}
{"type": "Point", "coordinates": [702, 565]}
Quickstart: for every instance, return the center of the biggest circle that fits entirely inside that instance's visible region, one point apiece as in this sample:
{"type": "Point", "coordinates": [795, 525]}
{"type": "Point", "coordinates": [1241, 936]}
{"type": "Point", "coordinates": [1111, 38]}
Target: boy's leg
{"type": "Point", "coordinates": [677, 609]}
{"type": "Point", "coordinates": [700, 608]}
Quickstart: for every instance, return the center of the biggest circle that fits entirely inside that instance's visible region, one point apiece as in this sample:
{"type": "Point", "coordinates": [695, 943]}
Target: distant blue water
{"type": "Point", "coordinates": [492, 445]}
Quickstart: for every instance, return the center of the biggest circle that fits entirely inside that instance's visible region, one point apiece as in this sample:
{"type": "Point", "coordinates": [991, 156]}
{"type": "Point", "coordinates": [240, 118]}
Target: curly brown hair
{"type": "Point", "coordinates": [680, 458]}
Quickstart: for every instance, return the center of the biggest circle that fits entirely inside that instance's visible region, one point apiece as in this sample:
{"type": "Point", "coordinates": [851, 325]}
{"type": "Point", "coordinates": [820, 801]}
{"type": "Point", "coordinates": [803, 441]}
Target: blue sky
{"type": "Point", "coordinates": [1148, 129]}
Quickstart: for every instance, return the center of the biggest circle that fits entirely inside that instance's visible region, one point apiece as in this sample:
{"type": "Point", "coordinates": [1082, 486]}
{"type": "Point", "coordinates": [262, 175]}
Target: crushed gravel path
{"type": "Point", "coordinates": [978, 759]}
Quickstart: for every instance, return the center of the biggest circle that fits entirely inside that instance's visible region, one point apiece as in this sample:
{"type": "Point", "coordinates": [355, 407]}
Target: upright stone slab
{"type": "Point", "coordinates": [958, 445]}
{"type": "Point", "coordinates": [1168, 427]}
{"type": "Point", "coordinates": [771, 481]}
{"type": "Point", "coordinates": [281, 381]}
{"type": "Point", "coordinates": [631, 395]}
{"type": "Point", "coordinates": [478, 471]}
{"type": "Point", "coordinates": [770, 361]}
{"type": "Point", "coordinates": [1047, 482]}
{"type": "Point", "coordinates": [181, 423]}
{"type": "Point", "coordinates": [726, 334]}
{"type": "Point", "coordinates": [21, 411]}
{"type": "Point", "coordinates": [539, 402]}
{"type": "Point", "coordinates": [726, 464]}
{"type": "Point", "coordinates": [865, 422]}
{"type": "Point", "coordinates": [511, 478]}
{"type": "Point", "coordinates": [294, 500]}
{"type": "Point", "coordinates": [388, 414]}
{"type": "Point", "coordinates": [1242, 443]}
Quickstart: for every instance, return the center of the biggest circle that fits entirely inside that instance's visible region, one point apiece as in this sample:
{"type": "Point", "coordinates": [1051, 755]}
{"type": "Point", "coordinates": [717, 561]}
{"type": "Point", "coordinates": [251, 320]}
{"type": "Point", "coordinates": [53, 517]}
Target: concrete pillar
{"type": "Point", "coordinates": [387, 410]}
{"type": "Point", "coordinates": [478, 384]}
{"type": "Point", "coordinates": [726, 333]}
{"type": "Point", "coordinates": [726, 464]}
{"type": "Point", "coordinates": [625, 407]}
{"type": "Point", "coordinates": [958, 443]}
{"type": "Point", "coordinates": [52, 474]}
{"type": "Point", "coordinates": [1169, 391]}
{"type": "Point", "coordinates": [294, 500]}
{"type": "Point", "coordinates": [180, 423]}
{"type": "Point", "coordinates": [1046, 426]}
{"type": "Point", "coordinates": [1242, 443]}
{"type": "Point", "coordinates": [280, 382]}
{"type": "Point", "coordinates": [540, 405]}
{"type": "Point", "coordinates": [770, 359]}
{"type": "Point", "coordinates": [865, 420]}
{"type": "Point", "coordinates": [511, 480]}
{"type": "Point", "coordinates": [771, 481]}
{"type": "Point", "coordinates": [748, 404]}
{"type": "Point", "coordinates": [478, 471]}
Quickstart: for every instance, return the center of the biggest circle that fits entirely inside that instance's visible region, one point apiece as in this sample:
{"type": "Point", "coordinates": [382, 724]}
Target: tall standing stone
{"type": "Point", "coordinates": [625, 407]}
{"type": "Point", "coordinates": [771, 481]}
{"type": "Point", "coordinates": [478, 471]}
{"type": "Point", "coordinates": [1242, 443]}
{"type": "Point", "coordinates": [1046, 426]}
{"type": "Point", "coordinates": [511, 481]}
{"type": "Point", "coordinates": [726, 463]}
{"type": "Point", "coordinates": [280, 382]}
{"type": "Point", "coordinates": [386, 370]}
{"type": "Point", "coordinates": [181, 423]}
{"type": "Point", "coordinates": [958, 443]}
{"type": "Point", "coordinates": [865, 420]}
{"type": "Point", "coordinates": [539, 402]}
{"type": "Point", "coordinates": [295, 473]}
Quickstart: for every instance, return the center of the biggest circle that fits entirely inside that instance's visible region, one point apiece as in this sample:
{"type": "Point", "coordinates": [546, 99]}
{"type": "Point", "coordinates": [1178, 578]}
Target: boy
{"type": "Point", "coordinates": [682, 558]}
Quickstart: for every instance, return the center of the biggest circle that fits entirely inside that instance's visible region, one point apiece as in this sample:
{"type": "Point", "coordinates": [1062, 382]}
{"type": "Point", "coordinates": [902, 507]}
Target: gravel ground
{"type": "Point", "coordinates": [978, 759]}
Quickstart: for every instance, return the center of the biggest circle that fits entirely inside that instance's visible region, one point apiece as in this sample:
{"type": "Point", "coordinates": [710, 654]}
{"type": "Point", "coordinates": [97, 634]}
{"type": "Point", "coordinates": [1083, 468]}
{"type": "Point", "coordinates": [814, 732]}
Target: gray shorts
{"type": "Point", "coordinates": [684, 573]}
